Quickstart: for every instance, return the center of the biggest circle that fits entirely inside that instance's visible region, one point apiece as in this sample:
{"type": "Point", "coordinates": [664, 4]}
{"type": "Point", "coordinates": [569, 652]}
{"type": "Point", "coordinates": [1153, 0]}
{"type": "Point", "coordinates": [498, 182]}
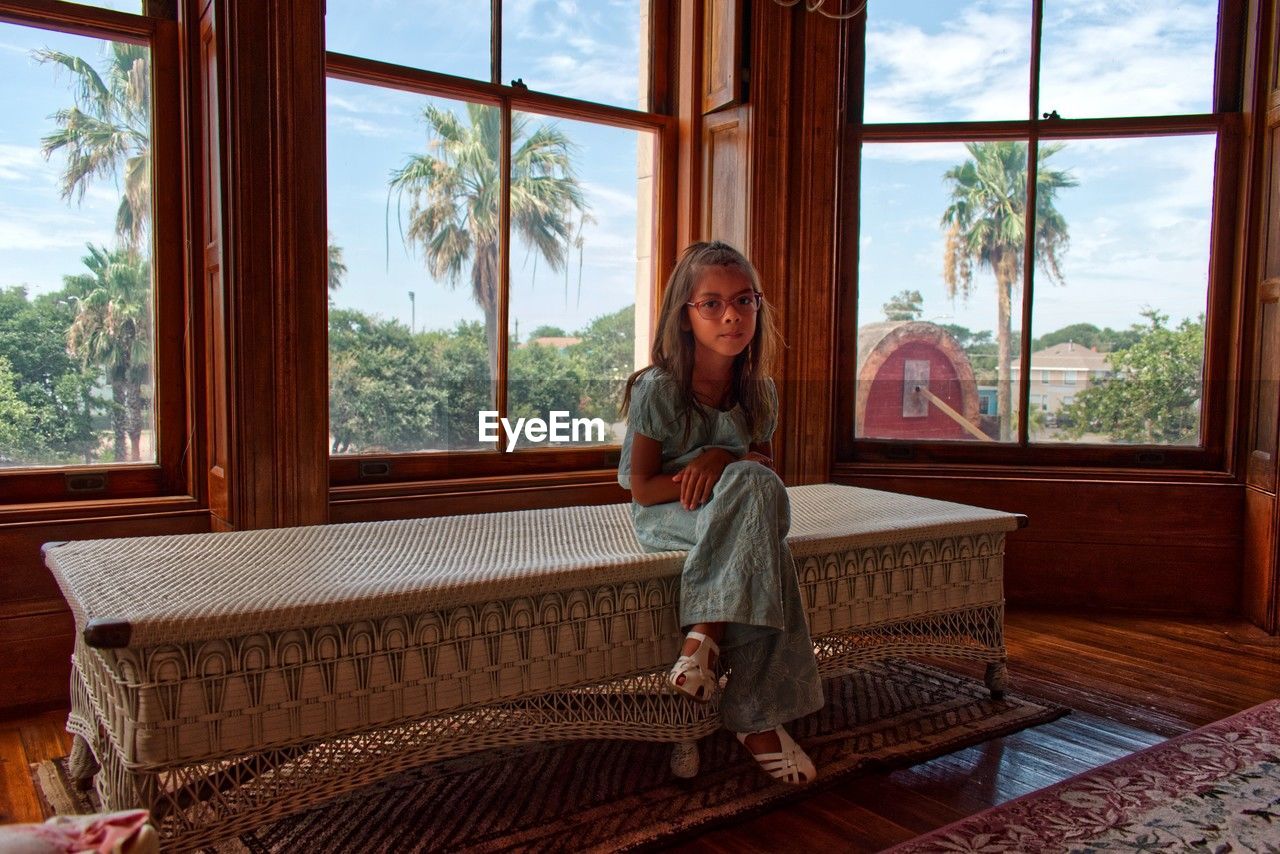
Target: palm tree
{"type": "Point", "coordinates": [107, 130]}
{"type": "Point", "coordinates": [337, 267]}
{"type": "Point", "coordinates": [985, 223]}
{"type": "Point", "coordinates": [112, 330]}
{"type": "Point", "coordinates": [455, 192]}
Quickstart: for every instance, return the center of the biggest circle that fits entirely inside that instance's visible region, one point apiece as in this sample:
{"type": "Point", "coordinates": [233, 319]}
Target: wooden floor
{"type": "Point", "coordinates": [1132, 681]}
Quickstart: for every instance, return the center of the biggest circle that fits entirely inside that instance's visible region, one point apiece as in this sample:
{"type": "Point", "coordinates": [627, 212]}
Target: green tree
{"type": "Point", "coordinates": [542, 379]}
{"type": "Point", "coordinates": [986, 225]}
{"type": "Point", "coordinates": [454, 194]}
{"type": "Point", "coordinates": [107, 131]}
{"type": "Point", "coordinates": [547, 331]}
{"type": "Point", "coordinates": [1088, 335]}
{"type": "Point", "coordinates": [461, 373]}
{"type": "Point", "coordinates": [112, 331]}
{"type": "Point", "coordinates": [16, 420]}
{"type": "Point", "coordinates": [337, 267]}
{"type": "Point", "coordinates": [52, 388]}
{"type": "Point", "coordinates": [904, 305]}
{"type": "Point", "coordinates": [381, 397]}
{"type": "Point", "coordinates": [1153, 395]}
{"type": "Point", "coordinates": [607, 356]}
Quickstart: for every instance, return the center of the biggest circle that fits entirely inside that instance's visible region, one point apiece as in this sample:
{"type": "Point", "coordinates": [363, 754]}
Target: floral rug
{"type": "Point", "coordinates": [1214, 789]}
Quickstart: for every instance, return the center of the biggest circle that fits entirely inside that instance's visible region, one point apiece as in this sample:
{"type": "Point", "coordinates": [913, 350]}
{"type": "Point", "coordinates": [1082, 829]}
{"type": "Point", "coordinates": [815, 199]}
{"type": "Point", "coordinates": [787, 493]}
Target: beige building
{"type": "Point", "coordinates": [1060, 372]}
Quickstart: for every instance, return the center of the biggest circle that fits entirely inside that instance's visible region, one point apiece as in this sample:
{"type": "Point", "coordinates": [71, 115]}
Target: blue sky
{"type": "Point", "coordinates": [1139, 219]}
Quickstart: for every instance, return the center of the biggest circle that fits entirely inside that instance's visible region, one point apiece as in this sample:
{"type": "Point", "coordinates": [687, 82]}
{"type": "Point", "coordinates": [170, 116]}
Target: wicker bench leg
{"type": "Point", "coordinates": [82, 764]}
{"type": "Point", "coordinates": [684, 759]}
{"type": "Point", "coordinates": [997, 679]}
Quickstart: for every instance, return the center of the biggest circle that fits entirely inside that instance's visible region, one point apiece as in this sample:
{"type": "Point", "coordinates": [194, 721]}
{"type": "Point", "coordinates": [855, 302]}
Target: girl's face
{"type": "Point", "coordinates": [727, 292]}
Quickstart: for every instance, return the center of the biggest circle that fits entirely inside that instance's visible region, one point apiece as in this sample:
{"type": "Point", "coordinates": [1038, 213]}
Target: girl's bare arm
{"type": "Point", "coordinates": [650, 486]}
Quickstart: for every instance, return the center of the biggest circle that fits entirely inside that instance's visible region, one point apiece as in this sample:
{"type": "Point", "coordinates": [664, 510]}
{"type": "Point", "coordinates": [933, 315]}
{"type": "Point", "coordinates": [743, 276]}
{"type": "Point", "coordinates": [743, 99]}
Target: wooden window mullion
{"type": "Point", "coordinates": [504, 269]}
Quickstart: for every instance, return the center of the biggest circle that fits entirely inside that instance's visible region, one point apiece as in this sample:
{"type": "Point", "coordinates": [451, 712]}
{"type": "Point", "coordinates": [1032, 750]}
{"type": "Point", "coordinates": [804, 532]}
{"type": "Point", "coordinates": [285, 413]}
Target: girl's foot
{"type": "Point", "coordinates": [694, 671]}
{"type": "Point", "coordinates": [779, 755]}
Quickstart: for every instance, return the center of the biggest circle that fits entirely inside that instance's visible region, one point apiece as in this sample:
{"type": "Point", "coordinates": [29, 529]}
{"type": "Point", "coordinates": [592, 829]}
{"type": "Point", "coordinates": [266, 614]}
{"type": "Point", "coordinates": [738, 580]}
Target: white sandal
{"type": "Point", "coordinates": [699, 675]}
{"type": "Point", "coordinates": [791, 765]}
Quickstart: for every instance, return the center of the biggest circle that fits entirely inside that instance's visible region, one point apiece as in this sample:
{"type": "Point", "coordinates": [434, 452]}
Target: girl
{"type": "Point", "coordinates": [697, 460]}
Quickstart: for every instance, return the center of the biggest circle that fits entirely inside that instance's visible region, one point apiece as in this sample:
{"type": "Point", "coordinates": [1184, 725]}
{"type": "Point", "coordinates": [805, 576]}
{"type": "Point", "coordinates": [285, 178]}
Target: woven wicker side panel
{"type": "Point", "coordinates": [869, 587]}
{"type": "Point", "coordinates": [179, 703]}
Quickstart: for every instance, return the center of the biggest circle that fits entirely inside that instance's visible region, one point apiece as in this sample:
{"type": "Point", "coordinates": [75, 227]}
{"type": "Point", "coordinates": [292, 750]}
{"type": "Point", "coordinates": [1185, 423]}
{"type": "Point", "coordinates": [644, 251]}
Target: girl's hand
{"type": "Point", "coordinates": [700, 476]}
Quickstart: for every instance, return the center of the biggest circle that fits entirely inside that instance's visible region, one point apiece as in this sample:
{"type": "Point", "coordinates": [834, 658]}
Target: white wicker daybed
{"type": "Point", "coordinates": [224, 680]}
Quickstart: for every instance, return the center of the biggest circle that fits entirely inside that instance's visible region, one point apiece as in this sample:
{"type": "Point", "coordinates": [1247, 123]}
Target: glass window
{"type": "Point", "coordinates": [593, 51]}
{"type": "Point", "coordinates": [134, 6]}
{"type": "Point", "coordinates": [1133, 287]}
{"type": "Point", "coordinates": [957, 61]}
{"type": "Point", "coordinates": [929, 301]}
{"type": "Point", "coordinates": [421, 283]}
{"type": "Point", "coordinates": [76, 303]}
{"type": "Point", "coordinates": [1118, 243]}
{"type": "Point", "coordinates": [447, 36]}
{"type": "Point", "coordinates": [1127, 59]}
{"type": "Point", "coordinates": [581, 260]}
{"type": "Point", "coordinates": [414, 240]}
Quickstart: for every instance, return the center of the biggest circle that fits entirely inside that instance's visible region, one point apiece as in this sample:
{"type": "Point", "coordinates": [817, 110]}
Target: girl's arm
{"type": "Point", "coordinates": [761, 452]}
{"type": "Point", "coordinates": [648, 484]}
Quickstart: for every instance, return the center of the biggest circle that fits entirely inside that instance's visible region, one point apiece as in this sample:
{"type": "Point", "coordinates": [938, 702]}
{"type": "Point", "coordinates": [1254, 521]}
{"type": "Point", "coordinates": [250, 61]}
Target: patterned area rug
{"type": "Point", "coordinates": [1214, 789]}
{"type": "Point", "coordinates": [619, 795]}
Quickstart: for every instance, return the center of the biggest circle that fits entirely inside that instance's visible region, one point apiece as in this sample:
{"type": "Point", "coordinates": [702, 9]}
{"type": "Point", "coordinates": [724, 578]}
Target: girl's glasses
{"type": "Point", "coordinates": [713, 307]}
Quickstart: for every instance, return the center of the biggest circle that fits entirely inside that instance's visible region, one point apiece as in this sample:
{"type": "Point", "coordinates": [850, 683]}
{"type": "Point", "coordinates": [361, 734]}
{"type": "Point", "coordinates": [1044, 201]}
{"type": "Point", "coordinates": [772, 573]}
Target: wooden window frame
{"type": "Point", "coordinates": [170, 475]}
{"type": "Point", "coordinates": [368, 475]}
{"type": "Point", "coordinates": [1221, 399]}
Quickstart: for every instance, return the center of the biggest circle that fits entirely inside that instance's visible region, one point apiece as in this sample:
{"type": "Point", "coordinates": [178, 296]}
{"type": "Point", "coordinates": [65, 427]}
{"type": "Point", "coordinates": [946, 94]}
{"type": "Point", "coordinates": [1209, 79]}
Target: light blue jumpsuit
{"type": "Point", "coordinates": [739, 569]}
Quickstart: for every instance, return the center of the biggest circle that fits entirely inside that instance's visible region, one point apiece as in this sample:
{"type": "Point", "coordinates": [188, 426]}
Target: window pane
{"type": "Point", "coordinates": [449, 36]}
{"type": "Point", "coordinates": [958, 61]}
{"type": "Point", "coordinates": [133, 6]}
{"type": "Point", "coordinates": [580, 271]}
{"type": "Point", "coordinates": [1127, 317]}
{"type": "Point", "coordinates": [75, 251]}
{"type": "Point", "coordinates": [1103, 59]}
{"type": "Point", "coordinates": [595, 51]}
{"type": "Point", "coordinates": [929, 312]}
{"type": "Point", "coordinates": [413, 222]}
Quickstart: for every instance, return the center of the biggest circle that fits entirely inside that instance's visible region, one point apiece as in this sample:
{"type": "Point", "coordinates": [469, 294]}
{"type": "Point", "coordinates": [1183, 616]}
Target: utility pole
{"type": "Point", "coordinates": [413, 313]}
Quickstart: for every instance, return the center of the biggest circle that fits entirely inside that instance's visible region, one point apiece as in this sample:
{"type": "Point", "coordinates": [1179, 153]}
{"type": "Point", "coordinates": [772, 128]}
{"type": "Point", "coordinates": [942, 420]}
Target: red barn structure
{"type": "Point", "coordinates": [915, 382]}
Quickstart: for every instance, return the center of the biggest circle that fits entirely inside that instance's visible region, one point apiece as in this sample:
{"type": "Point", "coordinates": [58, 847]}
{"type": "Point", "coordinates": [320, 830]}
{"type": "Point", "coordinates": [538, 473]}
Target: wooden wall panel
{"type": "Point", "coordinates": [721, 54]}
{"type": "Point", "coordinates": [726, 175]}
{"type": "Point", "coordinates": [35, 646]}
{"type": "Point", "coordinates": [1258, 595]}
{"type": "Point", "coordinates": [1171, 547]}
{"type": "Point", "coordinates": [35, 624]}
{"type": "Point", "coordinates": [1258, 251]}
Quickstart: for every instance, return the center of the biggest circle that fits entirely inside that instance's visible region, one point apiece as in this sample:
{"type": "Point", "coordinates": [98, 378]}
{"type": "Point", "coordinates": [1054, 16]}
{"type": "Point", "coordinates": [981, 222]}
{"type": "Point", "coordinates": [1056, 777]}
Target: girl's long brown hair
{"type": "Point", "coordinates": [673, 347]}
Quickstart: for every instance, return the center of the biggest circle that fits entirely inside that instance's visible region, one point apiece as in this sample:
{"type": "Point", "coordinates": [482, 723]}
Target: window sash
{"type": "Point", "coordinates": [171, 474]}
{"type": "Point", "coordinates": [1224, 123]}
{"type": "Point", "coordinates": [369, 470]}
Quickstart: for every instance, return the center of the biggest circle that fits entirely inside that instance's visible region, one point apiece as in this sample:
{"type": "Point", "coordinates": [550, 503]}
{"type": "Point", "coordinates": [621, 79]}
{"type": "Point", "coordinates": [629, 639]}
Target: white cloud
{"type": "Point", "coordinates": [609, 202]}
{"type": "Point", "coordinates": [974, 67]}
{"type": "Point", "coordinates": [21, 163]}
{"type": "Point", "coordinates": [364, 127]}
{"type": "Point", "coordinates": [37, 231]}
{"type": "Point", "coordinates": [1118, 57]}
{"type": "Point", "coordinates": [915, 152]}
